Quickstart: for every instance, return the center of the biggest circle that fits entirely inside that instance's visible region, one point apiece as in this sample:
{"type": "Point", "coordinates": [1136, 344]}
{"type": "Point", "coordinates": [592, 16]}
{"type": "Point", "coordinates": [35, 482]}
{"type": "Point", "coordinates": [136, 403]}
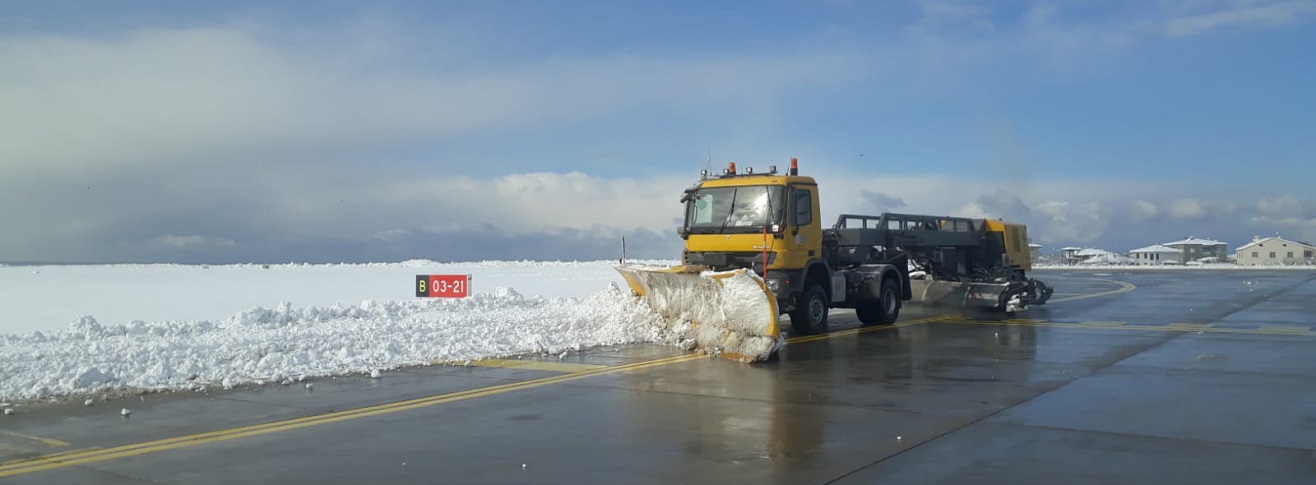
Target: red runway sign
{"type": "Point", "coordinates": [443, 285]}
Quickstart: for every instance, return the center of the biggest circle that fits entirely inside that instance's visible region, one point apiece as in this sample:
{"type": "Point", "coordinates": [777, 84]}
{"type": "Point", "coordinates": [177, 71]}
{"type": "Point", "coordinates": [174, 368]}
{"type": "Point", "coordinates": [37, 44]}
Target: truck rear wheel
{"type": "Point", "coordinates": [810, 315]}
{"type": "Point", "coordinates": [884, 311]}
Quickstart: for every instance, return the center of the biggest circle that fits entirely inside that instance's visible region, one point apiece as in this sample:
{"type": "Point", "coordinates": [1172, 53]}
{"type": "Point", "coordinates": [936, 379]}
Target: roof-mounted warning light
{"type": "Point", "coordinates": [795, 166]}
{"type": "Point", "coordinates": [731, 168]}
{"type": "Point", "coordinates": [772, 169]}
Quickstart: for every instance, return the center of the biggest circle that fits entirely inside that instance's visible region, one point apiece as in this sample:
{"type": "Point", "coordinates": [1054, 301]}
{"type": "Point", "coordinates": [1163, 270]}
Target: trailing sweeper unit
{"type": "Point", "coordinates": [755, 247]}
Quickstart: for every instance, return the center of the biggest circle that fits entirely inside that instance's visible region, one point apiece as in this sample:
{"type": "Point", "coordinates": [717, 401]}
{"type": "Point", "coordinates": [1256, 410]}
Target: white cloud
{"type": "Point", "coordinates": [1070, 222]}
{"type": "Point", "coordinates": [1248, 14]}
{"type": "Point", "coordinates": [192, 241]}
{"type": "Point", "coordinates": [191, 95]}
{"type": "Point", "coordinates": [1056, 210]}
{"type": "Point", "coordinates": [948, 11]}
{"type": "Point", "coordinates": [1280, 205]}
{"type": "Point", "coordinates": [974, 210]}
{"type": "Point", "coordinates": [1141, 210]}
{"type": "Point", "coordinates": [881, 202]}
{"type": "Point", "coordinates": [1187, 209]}
{"type": "Point", "coordinates": [1290, 227]}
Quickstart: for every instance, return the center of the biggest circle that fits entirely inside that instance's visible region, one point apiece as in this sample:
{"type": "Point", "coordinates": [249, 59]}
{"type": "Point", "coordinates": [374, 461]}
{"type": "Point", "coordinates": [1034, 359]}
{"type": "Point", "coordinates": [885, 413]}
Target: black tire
{"type": "Point", "coordinates": [810, 315]}
{"type": "Point", "coordinates": [884, 311]}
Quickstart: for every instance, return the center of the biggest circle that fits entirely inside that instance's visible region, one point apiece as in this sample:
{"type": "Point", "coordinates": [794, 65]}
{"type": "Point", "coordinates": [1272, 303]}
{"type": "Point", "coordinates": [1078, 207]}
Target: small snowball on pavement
{"type": "Point", "coordinates": [125, 412]}
{"type": "Point", "coordinates": [523, 466]}
{"type": "Point", "coordinates": [374, 374]}
{"type": "Point", "coordinates": [89, 402]}
{"type": "Point", "coordinates": [9, 411]}
{"type": "Point", "coordinates": [309, 386]}
{"type": "Point", "coordinates": [468, 362]}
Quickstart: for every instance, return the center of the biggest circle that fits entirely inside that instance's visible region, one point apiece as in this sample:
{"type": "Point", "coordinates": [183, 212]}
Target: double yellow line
{"type": "Point", "coordinates": [1125, 287]}
{"type": "Point", "coordinates": [73, 458]}
{"type": "Point", "coordinates": [94, 455]}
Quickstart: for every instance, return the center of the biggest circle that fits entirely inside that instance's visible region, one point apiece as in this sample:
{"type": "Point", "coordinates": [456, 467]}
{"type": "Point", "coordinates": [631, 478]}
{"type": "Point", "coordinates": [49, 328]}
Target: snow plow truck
{"type": "Point", "coordinates": [755, 248]}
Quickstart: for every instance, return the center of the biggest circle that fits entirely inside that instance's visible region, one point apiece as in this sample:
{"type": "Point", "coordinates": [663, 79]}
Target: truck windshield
{"type": "Point", "coordinates": [734, 209]}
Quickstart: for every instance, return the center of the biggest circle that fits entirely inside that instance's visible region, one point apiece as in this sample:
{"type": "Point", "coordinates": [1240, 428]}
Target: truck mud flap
{"type": "Point", "coordinates": [730, 314]}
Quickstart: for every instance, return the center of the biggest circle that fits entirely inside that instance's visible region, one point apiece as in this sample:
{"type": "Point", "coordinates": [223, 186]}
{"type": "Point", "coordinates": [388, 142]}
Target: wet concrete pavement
{"type": "Point", "coordinates": [1129, 377]}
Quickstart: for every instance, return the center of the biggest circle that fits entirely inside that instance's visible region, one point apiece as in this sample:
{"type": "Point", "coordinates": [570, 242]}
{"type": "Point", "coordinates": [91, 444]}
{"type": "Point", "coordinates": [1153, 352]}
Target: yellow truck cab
{"type": "Point", "coordinates": [770, 222]}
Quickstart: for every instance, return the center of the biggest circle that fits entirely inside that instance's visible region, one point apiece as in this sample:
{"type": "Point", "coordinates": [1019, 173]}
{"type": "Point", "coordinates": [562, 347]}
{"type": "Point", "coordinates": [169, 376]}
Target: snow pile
{"type": "Point", "coordinates": [37, 298]}
{"type": "Point", "coordinates": [719, 313]}
{"type": "Point", "coordinates": [285, 343]}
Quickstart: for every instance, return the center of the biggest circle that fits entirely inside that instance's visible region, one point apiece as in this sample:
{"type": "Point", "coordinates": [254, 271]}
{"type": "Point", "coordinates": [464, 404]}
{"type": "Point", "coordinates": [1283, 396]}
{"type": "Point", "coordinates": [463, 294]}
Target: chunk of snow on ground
{"type": "Point", "coordinates": [286, 343]}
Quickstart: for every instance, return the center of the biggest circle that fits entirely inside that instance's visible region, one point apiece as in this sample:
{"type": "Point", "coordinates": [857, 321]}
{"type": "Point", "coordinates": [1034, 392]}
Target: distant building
{"type": "Point", "coordinates": [1197, 249]}
{"type": "Point", "coordinates": [1100, 256]}
{"type": "Point", "coordinates": [1157, 254]}
{"type": "Point", "coordinates": [1069, 255]}
{"type": "Point", "coordinates": [1275, 250]}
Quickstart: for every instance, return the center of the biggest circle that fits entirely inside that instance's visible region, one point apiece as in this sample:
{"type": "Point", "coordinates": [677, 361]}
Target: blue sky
{"type": "Point", "coordinates": [345, 131]}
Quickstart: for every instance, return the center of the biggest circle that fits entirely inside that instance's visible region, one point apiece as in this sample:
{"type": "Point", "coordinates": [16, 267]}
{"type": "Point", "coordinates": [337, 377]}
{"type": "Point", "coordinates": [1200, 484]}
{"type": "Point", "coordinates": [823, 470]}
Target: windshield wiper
{"type": "Point", "coordinates": [731, 211]}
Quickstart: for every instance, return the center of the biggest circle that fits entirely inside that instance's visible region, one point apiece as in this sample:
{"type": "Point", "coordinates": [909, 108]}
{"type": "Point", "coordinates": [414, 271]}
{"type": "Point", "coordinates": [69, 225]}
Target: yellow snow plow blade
{"type": "Point", "coordinates": [730, 314]}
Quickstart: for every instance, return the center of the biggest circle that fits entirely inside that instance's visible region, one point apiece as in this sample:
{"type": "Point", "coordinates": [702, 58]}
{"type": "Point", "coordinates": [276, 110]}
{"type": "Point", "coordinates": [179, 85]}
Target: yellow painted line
{"type": "Point", "coordinates": [538, 365]}
{"type": "Point", "coordinates": [855, 331]}
{"type": "Point", "coordinates": [1191, 327]}
{"type": "Point", "coordinates": [1100, 324]}
{"type": "Point", "coordinates": [1281, 331]}
{"type": "Point", "coordinates": [1021, 320]}
{"type": "Point", "coordinates": [91, 455]}
{"type": "Point", "coordinates": [51, 455]}
{"type": "Point", "coordinates": [1125, 287]}
{"type": "Point", "coordinates": [1284, 328]}
{"type": "Point", "coordinates": [46, 441]}
{"type": "Point", "coordinates": [49, 462]}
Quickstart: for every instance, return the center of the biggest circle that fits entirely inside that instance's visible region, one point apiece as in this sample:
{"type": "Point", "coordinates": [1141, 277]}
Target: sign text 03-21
{"type": "Point", "coordinates": [443, 285]}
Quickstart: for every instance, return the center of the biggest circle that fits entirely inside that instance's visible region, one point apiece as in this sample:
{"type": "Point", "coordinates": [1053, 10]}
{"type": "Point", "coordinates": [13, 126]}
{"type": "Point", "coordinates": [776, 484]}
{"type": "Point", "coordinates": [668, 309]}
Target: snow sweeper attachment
{"type": "Point", "coordinates": [730, 314]}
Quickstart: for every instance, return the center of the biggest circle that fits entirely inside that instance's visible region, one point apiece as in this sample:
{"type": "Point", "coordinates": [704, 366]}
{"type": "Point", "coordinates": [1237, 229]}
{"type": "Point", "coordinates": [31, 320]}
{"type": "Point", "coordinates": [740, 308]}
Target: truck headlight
{"type": "Point", "coordinates": [774, 284]}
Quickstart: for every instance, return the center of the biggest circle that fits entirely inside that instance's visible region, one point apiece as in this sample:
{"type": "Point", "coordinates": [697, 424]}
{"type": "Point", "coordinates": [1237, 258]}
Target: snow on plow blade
{"type": "Point", "coordinates": [730, 314]}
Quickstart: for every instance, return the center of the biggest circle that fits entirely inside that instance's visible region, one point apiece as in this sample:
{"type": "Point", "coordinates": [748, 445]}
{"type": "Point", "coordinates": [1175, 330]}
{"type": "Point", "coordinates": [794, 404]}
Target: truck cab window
{"type": "Point", "coordinates": [802, 204]}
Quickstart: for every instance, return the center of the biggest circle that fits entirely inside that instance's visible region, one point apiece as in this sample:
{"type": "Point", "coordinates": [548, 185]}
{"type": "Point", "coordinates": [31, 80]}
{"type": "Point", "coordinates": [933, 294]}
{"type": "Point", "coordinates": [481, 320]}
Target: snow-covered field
{"type": "Point", "coordinates": [71, 330]}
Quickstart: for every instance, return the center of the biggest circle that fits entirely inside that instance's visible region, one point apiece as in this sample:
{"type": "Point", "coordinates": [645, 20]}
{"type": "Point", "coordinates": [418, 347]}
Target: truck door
{"type": "Point", "coordinates": [804, 237]}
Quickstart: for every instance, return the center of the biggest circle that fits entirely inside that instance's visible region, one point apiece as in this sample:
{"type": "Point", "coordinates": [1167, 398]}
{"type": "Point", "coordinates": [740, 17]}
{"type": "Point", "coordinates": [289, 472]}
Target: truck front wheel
{"type": "Point", "coordinates": [884, 311]}
{"type": "Point", "coordinates": [810, 315]}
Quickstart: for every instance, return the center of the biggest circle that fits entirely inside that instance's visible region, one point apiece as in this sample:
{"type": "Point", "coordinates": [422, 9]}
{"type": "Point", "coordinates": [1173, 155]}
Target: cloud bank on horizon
{"type": "Point", "coordinates": [253, 131]}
